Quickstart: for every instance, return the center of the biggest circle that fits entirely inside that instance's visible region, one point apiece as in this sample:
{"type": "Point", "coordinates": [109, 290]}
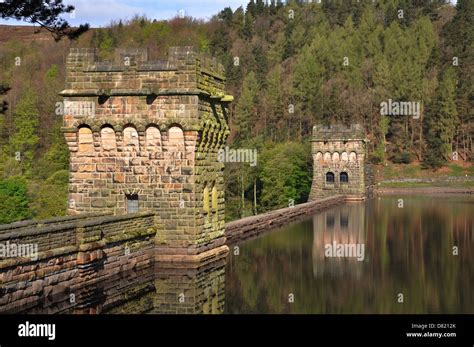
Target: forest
{"type": "Point", "coordinates": [289, 67]}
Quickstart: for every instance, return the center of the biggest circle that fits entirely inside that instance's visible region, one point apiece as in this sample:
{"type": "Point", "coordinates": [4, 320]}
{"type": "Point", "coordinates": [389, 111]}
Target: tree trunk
{"type": "Point", "coordinates": [255, 212]}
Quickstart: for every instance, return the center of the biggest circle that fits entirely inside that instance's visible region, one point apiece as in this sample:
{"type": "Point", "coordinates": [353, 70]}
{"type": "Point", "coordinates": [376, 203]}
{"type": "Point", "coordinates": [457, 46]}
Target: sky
{"type": "Point", "coordinates": [101, 12]}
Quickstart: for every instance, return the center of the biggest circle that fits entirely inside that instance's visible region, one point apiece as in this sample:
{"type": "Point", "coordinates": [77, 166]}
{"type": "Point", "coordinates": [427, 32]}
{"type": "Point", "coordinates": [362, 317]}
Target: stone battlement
{"type": "Point", "coordinates": [186, 72]}
{"type": "Point", "coordinates": [338, 131]}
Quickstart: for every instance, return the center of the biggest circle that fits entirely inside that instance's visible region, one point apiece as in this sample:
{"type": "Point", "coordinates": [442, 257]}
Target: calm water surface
{"type": "Point", "coordinates": [423, 251]}
{"type": "Point", "coordinates": [408, 251]}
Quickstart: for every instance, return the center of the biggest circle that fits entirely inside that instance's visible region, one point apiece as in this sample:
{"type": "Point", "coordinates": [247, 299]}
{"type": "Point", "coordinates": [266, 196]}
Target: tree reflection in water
{"type": "Point", "coordinates": [408, 250]}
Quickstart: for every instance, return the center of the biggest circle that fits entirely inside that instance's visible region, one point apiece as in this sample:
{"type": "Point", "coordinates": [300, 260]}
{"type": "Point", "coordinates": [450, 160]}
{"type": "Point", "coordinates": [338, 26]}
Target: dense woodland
{"type": "Point", "coordinates": [289, 67]}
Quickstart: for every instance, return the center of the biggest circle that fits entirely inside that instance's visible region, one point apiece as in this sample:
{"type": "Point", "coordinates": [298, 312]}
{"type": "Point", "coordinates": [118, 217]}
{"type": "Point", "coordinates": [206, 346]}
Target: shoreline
{"type": "Point", "coordinates": [423, 190]}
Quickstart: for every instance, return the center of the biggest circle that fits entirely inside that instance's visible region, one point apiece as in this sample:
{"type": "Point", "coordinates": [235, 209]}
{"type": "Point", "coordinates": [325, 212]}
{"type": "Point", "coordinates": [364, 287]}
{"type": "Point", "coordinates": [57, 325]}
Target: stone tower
{"type": "Point", "coordinates": [143, 136]}
{"type": "Point", "coordinates": [338, 161]}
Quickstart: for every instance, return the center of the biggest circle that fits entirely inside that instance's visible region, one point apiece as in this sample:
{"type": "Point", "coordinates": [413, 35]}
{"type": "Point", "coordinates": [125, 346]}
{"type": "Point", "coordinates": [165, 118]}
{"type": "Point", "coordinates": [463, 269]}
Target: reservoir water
{"type": "Point", "coordinates": [400, 254]}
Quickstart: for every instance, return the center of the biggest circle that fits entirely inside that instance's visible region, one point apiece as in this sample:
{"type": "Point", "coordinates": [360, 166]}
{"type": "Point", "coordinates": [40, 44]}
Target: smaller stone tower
{"type": "Point", "coordinates": [338, 161]}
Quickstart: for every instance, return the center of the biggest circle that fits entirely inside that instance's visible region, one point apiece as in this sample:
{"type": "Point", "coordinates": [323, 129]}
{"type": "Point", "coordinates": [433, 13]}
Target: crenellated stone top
{"type": "Point", "coordinates": [131, 73]}
{"type": "Point", "coordinates": [338, 132]}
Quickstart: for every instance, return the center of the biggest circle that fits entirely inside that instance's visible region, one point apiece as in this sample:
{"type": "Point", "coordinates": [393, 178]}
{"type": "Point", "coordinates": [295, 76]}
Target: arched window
{"type": "Point", "coordinates": [343, 177]}
{"type": "Point", "coordinates": [85, 139]}
{"type": "Point", "coordinates": [130, 138]}
{"type": "Point", "coordinates": [330, 178]}
{"type": "Point", "coordinates": [107, 138]}
{"type": "Point", "coordinates": [175, 139]}
{"type": "Point", "coordinates": [214, 198]}
{"type": "Point", "coordinates": [205, 200]}
{"type": "Point", "coordinates": [153, 139]}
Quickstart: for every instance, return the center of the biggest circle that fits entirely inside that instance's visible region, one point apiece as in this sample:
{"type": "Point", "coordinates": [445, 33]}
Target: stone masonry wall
{"type": "Point", "coordinates": [72, 256]}
{"type": "Point", "coordinates": [153, 137]}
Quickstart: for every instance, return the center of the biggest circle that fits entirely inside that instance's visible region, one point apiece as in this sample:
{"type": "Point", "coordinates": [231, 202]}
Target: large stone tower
{"type": "Point", "coordinates": [338, 161]}
{"type": "Point", "coordinates": [143, 137]}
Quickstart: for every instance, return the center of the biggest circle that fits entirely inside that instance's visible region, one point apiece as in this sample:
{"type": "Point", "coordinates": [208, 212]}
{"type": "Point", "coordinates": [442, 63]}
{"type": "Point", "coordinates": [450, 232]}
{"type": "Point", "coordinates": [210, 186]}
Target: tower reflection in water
{"type": "Point", "coordinates": [341, 229]}
{"type": "Point", "coordinates": [155, 289]}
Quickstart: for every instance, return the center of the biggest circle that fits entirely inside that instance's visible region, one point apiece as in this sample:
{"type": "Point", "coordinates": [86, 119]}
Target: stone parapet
{"type": "Point", "coordinates": [253, 226]}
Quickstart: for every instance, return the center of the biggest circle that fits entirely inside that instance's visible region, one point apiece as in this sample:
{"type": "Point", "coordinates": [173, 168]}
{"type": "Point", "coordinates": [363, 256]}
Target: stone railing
{"type": "Point", "coordinates": [249, 227]}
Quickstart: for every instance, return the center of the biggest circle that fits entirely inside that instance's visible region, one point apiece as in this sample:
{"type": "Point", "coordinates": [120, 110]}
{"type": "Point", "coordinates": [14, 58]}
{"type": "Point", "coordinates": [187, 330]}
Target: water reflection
{"type": "Point", "coordinates": [342, 227]}
{"type": "Point", "coordinates": [423, 251]}
{"type": "Point", "coordinates": [158, 289]}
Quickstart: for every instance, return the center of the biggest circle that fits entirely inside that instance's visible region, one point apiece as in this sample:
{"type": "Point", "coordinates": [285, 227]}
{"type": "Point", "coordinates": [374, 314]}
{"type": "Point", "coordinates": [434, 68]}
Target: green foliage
{"type": "Point", "coordinates": [442, 122]}
{"type": "Point", "coordinates": [13, 200]}
{"type": "Point", "coordinates": [378, 155]}
{"type": "Point", "coordinates": [285, 174]}
{"type": "Point", "coordinates": [24, 139]}
{"type": "Point", "coordinates": [283, 62]}
{"type": "Point", "coordinates": [246, 111]}
{"type": "Point", "coordinates": [49, 198]}
{"type": "Point", "coordinates": [402, 158]}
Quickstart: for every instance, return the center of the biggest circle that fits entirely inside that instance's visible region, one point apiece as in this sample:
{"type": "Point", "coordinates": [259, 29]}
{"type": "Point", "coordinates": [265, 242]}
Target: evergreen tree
{"type": "Point", "coordinates": [23, 141]}
{"type": "Point", "coordinates": [441, 122]}
{"type": "Point", "coordinates": [13, 200]}
{"type": "Point", "coordinates": [246, 109]}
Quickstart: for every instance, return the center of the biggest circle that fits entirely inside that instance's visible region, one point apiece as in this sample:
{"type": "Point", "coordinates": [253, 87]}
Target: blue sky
{"type": "Point", "coordinates": [101, 12]}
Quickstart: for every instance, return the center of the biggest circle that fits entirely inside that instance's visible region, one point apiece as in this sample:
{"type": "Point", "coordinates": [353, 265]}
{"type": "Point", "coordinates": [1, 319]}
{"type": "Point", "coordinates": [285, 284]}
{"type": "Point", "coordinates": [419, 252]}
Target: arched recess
{"type": "Point", "coordinates": [318, 157]}
{"type": "Point", "coordinates": [344, 157]}
{"type": "Point", "coordinates": [107, 138]}
{"type": "Point", "coordinates": [327, 157]}
{"type": "Point", "coordinates": [153, 139]}
{"type": "Point", "coordinates": [85, 140]}
{"type": "Point", "coordinates": [335, 157]}
{"type": "Point", "coordinates": [214, 198]}
{"type": "Point", "coordinates": [130, 138]}
{"type": "Point", "coordinates": [205, 199]}
{"type": "Point", "coordinates": [353, 157]}
{"type": "Point", "coordinates": [175, 138]}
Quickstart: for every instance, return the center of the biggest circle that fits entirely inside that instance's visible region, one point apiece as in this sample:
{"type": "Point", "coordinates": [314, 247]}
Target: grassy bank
{"type": "Point", "coordinates": [414, 176]}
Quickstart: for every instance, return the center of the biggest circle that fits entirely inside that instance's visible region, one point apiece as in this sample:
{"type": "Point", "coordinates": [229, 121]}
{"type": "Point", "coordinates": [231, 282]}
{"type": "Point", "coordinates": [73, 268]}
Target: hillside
{"type": "Point", "coordinates": [289, 67]}
{"type": "Point", "coordinates": [22, 33]}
